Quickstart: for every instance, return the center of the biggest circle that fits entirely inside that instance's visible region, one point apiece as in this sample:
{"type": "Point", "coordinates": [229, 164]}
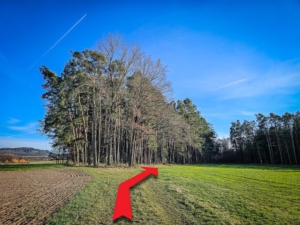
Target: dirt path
{"type": "Point", "coordinates": [28, 197]}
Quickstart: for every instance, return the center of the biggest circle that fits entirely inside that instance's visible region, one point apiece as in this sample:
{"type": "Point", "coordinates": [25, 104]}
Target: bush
{"type": "Point", "coordinates": [7, 157]}
{"type": "Point", "coordinates": [10, 158]}
{"type": "Point", "coordinates": [15, 161]}
{"type": "Point", "coordinates": [23, 161]}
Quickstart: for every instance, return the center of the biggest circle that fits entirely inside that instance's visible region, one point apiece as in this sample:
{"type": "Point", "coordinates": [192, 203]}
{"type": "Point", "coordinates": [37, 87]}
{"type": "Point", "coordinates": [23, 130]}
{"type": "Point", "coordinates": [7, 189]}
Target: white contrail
{"type": "Point", "coordinates": [59, 40]}
{"type": "Point", "coordinates": [236, 82]}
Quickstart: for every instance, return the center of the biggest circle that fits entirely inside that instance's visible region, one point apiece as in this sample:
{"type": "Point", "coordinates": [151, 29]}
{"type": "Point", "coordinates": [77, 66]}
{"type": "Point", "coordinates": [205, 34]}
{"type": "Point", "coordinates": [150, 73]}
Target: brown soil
{"type": "Point", "coordinates": [29, 197]}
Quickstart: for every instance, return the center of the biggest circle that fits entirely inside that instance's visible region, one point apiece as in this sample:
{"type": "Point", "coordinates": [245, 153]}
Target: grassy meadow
{"type": "Point", "coordinates": [206, 194]}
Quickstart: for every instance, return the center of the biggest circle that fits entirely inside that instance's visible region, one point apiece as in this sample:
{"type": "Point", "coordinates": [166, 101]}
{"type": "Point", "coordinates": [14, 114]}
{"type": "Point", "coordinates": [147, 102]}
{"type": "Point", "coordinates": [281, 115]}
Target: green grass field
{"type": "Point", "coordinates": [206, 194]}
{"type": "Point", "coordinates": [43, 162]}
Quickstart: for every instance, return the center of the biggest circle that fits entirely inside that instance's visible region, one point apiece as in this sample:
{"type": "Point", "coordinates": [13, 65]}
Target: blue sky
{"type": "Point", "coordinates": [232, 58]}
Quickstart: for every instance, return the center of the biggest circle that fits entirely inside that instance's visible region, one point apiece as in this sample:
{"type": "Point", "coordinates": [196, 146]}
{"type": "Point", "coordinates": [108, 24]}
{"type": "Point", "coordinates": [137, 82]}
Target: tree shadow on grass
{"type": "Point", "coordinates": [251, 166]}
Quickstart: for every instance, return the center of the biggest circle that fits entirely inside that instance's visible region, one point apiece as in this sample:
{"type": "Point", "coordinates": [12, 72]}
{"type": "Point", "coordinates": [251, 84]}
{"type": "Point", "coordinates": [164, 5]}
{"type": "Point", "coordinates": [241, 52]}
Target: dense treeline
{"type": "Point", "coordinates": [110, 105]}
{"type": "Point", "coordinates": [268, 139]}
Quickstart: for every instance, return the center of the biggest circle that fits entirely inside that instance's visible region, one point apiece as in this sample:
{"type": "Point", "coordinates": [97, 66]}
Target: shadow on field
{"type": "Point", "coordinates": [123, 219]}
{"type": "Point", "coordinates": [251, 166]}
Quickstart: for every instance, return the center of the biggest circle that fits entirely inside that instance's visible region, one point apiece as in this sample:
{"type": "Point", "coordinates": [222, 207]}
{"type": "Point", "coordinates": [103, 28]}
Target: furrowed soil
{"type": "Point", "coordinates": [31, 196]}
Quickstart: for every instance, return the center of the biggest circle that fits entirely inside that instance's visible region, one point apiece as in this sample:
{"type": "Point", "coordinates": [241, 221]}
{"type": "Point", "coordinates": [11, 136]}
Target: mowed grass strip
{"type": "Point", "coordinates": [214, 194]}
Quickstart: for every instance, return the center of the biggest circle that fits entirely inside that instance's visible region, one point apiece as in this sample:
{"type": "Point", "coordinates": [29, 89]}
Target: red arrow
{"type": "Point", "coordinates": [123, 205]}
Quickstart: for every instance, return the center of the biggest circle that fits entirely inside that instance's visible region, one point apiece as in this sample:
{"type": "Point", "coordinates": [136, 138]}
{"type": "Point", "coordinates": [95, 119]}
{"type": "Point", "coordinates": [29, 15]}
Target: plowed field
{"type": "Point", "coordinates": [29, 197]}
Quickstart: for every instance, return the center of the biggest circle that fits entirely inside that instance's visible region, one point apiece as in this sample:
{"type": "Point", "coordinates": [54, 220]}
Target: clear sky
{"type": "Point", "coordinates": [232, 58]}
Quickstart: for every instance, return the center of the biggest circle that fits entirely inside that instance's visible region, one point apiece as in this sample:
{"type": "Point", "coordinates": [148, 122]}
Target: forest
{"type": "Point", "coordinates": [269, 139]}
{"type": "Point", "coordinates": [112, 105]}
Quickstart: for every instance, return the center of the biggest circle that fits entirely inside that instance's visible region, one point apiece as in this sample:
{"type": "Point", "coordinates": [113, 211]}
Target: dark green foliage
{"type": "Point", "coordinates": [270, 139]}
{"type": "Point", "coordinates": [110, 106]}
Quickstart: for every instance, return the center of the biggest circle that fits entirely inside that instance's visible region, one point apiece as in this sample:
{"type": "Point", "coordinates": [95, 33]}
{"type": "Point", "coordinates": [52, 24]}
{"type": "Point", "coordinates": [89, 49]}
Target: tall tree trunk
{"type": "Point", "coordinates": [106, 133]}
{"type": "Point", "coordinates": [279, 145]}
{"type": "Point", "coordinates": [296, 138]}
{"type": "Point", "coordinates": [119, 138]}
{"type": "Point", "coordinates": [130, 150]}
{"type": "Point", "coordinates": [99, 128]}
{"type": "Point", "coordinates": [114, 150]}
{"type": "Point", "coordinates": [99, 140]}
{"type": "Point", "coordinates": [294, 150]}
{"type": "Point", "coordinates": [270, 147]}
{"type": "Point", "coordinates": [260, 160]}
{"type": "Point", "coordinates": [109, 148]}
{"type": "Point", "coordinates": [287, 150]}
{"type": "Point", "coordinates": [94, 148]}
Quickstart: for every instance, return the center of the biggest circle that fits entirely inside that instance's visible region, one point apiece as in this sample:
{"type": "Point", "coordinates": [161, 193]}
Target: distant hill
{"type": "Point", "coordinates": [25, 151]}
